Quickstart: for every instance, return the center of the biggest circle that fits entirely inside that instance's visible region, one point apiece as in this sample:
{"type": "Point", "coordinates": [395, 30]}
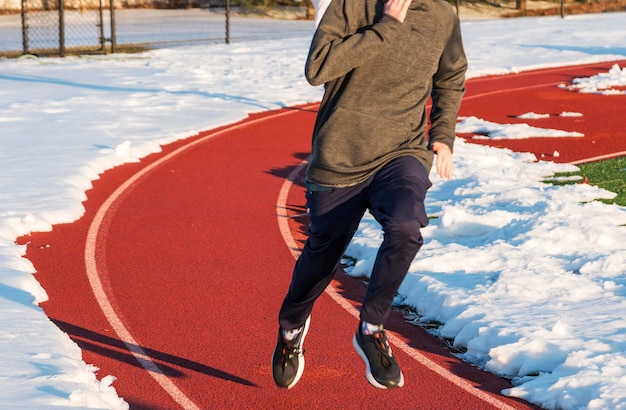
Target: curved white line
{"type": "Point", "coordinates": [331, 290]}
{"type": "Point", "coordinates": [95, 266]}
{"type": "Point", "coordinates": [507, 90]}
{"type": "Point", "coordinates": [598, 158]}
{"type": "Point", "coordinates": [539, 71]}
{"type": "Point", "coordinates": [96, 269]}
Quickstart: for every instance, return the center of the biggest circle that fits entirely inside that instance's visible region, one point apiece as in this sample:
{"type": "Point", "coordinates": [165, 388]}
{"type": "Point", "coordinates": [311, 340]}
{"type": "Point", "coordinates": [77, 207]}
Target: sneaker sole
{"type": "Point", "coordinates": [368, 371]}
{"type": "Point", "coordinates": [300, 357]}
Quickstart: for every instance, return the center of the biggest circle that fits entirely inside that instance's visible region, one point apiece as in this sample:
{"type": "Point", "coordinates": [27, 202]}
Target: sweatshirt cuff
{"type": "Point", "coordinates": [444, 140]}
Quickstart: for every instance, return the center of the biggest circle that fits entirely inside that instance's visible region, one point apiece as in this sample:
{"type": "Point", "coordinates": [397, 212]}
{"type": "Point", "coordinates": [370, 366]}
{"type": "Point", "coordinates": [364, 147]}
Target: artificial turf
{"type": "Point", "coordinates": [609, 174]}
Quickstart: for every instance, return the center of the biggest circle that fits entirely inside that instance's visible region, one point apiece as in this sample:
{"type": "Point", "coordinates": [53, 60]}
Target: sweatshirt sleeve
{"type": "Point", "coordinates": [337, 48]}
{"type": "Point", "coordinates": [448, 89]}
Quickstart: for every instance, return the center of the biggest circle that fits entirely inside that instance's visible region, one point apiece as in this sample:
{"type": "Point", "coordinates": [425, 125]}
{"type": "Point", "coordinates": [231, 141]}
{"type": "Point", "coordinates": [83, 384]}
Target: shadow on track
{"type": "Point", "coordinates": [116, 349]}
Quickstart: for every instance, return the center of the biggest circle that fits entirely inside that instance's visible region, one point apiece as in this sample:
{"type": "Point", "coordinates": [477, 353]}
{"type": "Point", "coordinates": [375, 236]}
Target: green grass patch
{"type": "Point", "coordinates": [609, 175]}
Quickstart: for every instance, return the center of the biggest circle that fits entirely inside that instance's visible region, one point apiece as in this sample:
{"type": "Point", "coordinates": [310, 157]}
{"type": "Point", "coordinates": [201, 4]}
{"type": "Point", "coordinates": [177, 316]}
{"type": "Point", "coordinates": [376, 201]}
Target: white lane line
{"type": "Point", "coordinates": [508, 90]}
{"type": "Point", "coordinates": [96, 269]}
{"type": "Point", "coordinates": [283, 224]}
{"type": "Point", "coordinates": [598, 158]}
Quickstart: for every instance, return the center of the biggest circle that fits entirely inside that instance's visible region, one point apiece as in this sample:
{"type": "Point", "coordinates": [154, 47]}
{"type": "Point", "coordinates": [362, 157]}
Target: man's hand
{"type": "Point", "coordinates": [444, 159]}
{"type": "Point", "coordinates": [397, 9]}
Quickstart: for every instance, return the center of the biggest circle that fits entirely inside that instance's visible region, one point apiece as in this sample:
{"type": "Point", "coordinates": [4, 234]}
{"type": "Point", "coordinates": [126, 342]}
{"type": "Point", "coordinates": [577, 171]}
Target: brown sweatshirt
{"type": "Point", "coordinates": [378, 74]}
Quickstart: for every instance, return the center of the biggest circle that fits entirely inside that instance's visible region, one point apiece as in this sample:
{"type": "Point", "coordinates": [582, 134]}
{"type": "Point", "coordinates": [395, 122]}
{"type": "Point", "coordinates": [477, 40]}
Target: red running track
{"type": "Point", "coordinates": [172, 279]}
{"type": "Point", "coordinates": [501, 99]}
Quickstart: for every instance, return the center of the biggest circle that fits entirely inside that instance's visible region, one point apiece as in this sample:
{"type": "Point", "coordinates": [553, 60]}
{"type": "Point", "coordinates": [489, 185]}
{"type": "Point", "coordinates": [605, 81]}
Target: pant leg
{"type": "Point", "coordinates": [334, 217]}
{"type": "Point", "coordinates": [396, 200]}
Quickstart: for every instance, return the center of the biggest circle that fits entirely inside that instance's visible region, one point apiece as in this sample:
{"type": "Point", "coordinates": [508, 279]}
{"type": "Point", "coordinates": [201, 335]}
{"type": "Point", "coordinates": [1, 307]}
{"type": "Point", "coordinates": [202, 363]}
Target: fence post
{"type": "Point", "coordinates": [112, 15]}
{"type": "Point", "coordinates": [61, 28]}
{"type": "Point", "coordinates": [227, 21]}
{"type": "Point", "coordinates": [101, 27]}
{"type": "Point", "coordinates": [24, 29]}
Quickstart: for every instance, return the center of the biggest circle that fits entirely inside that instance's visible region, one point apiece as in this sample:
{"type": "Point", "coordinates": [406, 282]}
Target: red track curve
{"type": "Point", "coordinates": [502, 98]}
{"type": "Point", "coordinates": [190, 265]}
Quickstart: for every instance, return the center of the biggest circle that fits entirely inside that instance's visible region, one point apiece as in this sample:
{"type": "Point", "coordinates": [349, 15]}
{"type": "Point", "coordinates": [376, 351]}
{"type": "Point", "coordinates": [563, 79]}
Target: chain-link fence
{"type": "Point", "coordinates": [50, 27]}
{"type": "Point", "coordinates": [60, 27]}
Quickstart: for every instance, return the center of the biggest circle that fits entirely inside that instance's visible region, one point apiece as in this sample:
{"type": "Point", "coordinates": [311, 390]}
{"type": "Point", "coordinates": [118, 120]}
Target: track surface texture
{"type": "Point", "coordinates": [172, 279]}
{"type": "Point", "coordinates": [501, 99]}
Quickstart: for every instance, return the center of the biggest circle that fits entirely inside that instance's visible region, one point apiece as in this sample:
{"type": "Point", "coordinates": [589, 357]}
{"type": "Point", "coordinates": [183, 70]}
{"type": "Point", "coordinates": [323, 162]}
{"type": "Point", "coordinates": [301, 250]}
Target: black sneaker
{"type": "Point", "coordinates": [382, 370]}
{"type": "Point", "coordinates": [288, 358]}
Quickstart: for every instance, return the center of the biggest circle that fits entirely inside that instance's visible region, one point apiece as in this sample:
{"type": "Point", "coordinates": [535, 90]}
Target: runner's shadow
{"type": "Point", "coordinates": [284, 172]}
{"type": "Point", "coordinates": [296, 210]}
{"type": "Point", "coordinates": [114, 348]}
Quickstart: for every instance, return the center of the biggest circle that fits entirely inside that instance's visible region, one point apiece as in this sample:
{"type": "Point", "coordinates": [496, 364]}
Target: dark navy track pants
{"type": "Point", "coordinates": [395, 197]}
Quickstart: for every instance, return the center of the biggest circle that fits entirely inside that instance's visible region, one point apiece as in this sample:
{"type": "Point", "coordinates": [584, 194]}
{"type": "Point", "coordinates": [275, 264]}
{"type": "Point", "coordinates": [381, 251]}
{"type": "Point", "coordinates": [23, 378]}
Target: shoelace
{"type": "Point", "coordinates": [380, 341]}
{"type": "Point", "coordinates": [291, 349]}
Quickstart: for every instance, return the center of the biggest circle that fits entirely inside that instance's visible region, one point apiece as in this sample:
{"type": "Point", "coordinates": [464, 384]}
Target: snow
{"type": "Point", "coordinates": [496, 131]}
{"type": "Point", "coordinates": [571, 114]}
{"type": "Point", "coordinates": [528, 278]}
{"type": "Point", "coordinates": [602, 83]}
{"type": "Point", "coordinates": [533, 116]}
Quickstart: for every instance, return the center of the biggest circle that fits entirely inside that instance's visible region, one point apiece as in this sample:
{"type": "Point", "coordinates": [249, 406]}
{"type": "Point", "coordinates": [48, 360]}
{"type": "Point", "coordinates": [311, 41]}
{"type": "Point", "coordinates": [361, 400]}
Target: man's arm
{"type": "Point", "coordinates": [448, 89]}
{"type": "Point", "coordinates": [334, 52]}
